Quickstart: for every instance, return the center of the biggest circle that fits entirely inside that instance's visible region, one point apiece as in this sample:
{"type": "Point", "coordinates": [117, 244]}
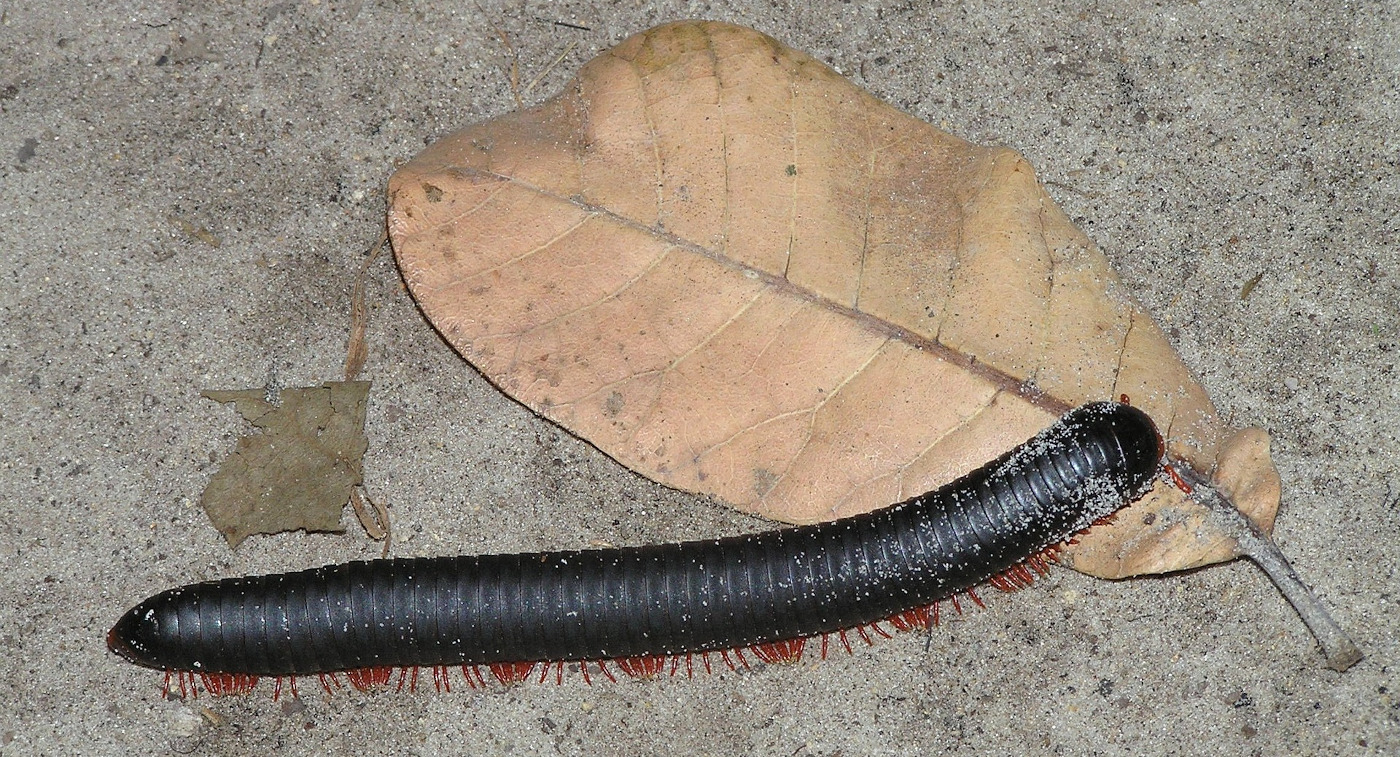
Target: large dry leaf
{"type": "Point", "coordinates": [739, 274]}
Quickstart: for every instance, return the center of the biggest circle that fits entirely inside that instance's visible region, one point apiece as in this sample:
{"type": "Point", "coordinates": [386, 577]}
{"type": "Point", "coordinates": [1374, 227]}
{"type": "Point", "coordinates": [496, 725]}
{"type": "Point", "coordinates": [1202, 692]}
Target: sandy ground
{"type": "Point", "coordinates": [1201, 144]}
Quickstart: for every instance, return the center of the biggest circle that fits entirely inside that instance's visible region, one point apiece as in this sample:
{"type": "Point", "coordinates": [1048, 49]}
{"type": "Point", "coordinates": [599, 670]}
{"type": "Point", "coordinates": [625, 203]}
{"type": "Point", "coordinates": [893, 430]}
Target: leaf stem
{"type": "Point", "coordinates": [1340, 650]}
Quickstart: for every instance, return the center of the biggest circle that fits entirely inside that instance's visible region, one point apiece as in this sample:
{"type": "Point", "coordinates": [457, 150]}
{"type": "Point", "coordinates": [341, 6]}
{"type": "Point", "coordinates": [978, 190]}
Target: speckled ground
{"type": "Point", "coordinates": [1203, 145]}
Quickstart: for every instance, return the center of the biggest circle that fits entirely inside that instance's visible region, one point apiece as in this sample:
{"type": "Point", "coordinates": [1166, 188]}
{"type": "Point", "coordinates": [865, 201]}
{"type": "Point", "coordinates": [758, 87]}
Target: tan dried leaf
{"type": "Point", "coordinates": [739, 274]}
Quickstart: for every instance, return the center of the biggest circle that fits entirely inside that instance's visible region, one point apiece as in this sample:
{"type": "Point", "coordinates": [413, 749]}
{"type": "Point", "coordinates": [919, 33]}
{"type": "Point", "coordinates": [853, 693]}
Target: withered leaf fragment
{"type": "Point", "coordinates": [298, 471]}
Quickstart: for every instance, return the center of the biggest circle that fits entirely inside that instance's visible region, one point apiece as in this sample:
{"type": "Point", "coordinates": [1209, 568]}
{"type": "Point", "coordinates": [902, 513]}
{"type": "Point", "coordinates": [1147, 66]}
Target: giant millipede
{"type": "Point", "coordinates": [643, 608]}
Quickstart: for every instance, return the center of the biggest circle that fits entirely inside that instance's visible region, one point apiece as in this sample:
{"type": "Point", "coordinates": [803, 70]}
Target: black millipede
{"type": "Point", "coordinates": [640, 607]}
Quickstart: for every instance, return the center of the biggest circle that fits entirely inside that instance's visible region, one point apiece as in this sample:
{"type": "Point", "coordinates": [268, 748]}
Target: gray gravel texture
{"type": "Point", "coordinates": [1202, 145]}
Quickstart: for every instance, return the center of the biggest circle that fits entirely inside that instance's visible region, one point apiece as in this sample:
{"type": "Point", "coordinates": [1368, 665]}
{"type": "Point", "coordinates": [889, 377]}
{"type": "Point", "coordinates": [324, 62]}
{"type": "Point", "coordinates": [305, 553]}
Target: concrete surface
{"type": "Point", "coordinates": [1202, 144]}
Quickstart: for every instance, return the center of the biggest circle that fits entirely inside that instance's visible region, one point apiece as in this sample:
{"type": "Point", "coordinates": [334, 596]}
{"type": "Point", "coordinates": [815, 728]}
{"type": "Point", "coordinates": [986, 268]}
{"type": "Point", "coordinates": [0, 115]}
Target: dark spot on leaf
{"type": "Point", "coordinates": [764, 481]}
{"type": "Point", "coordinates": [614, 404]}
{"type": "Point", "coordinates": [433, 193]}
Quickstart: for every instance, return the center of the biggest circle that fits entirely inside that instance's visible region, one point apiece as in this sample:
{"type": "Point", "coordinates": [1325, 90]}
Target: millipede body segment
{"type": "Point", "coordinates": [767, 591]}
